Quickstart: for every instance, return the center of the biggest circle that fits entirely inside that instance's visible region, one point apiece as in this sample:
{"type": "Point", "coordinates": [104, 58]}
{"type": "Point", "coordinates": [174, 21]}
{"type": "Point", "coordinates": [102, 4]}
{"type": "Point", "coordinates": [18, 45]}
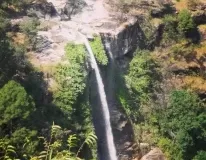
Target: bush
{"type": "Point", "coordinates": [201, 155]}
{"type": "Point", "coordinates": [170, 149]}
{"type": "Point", "coordinates": [15, 103]}
{"type": "Point", "coordinates": [70, 78]}
{"type": "Point", "coordinates": [71, 81]}
{"type": "Point", "coordinates": [99, 51]}
{"type": "Point", "coordinates": [185, 21]}
{"type": "Point", "coordinates": [183, 121]}
{"type": "Point", "coordinates": [75, 53]}
{"type": "Point", "coordinates": [170, 29]}
{"type": "Point", "coordinates": [142, 68]}
{"type": "Point", "coordinates": [29, 27]}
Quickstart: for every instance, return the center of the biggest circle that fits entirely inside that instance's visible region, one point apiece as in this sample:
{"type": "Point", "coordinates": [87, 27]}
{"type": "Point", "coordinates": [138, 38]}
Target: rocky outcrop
{"type": "Point", "coordinates": [41, 10]}
{"type": "Point", "coordinates": [127, 38]}
{"type": "Point", "coordinates": [154, 154]}
{"type": "Point", "coordinates": [73, 7]}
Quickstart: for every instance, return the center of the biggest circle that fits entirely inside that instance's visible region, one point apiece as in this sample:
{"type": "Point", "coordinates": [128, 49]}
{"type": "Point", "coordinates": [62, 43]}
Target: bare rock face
{"type": "Point", "coordinates": [73, 7]}
{"type": "Point", "coordinates": [154, 154]}
{"type": "Point", "coordinates": [40, 10]}
{"type": "Point", "coordinates": [126, 39]}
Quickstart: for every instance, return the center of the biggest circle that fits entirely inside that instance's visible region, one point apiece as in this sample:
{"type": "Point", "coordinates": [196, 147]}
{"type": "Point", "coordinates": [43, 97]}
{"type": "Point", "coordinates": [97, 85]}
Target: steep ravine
{"type": "Point", "coordinates": [118, 47]}
{"type": "Point", "coordinates": [120, 43]}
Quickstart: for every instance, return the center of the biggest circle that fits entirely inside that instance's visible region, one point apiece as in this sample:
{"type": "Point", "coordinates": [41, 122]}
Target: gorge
{"type": "Point", "coordinates": [102, 79]}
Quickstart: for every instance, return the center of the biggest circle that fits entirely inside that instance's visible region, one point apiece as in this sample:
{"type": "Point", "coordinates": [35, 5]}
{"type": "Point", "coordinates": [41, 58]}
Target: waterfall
{"type": "Point", "coordinates": [104, 104]}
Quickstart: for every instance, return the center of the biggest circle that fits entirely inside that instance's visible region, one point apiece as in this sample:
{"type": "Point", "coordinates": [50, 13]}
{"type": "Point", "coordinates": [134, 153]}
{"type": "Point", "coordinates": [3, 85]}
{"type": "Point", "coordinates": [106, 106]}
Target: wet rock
{"type": "Point", "coordinates": [126, 40]}
{"type": "Point", "coordinates": [41, 10]}
{"type": "Point", "coordinates": [154, 154]}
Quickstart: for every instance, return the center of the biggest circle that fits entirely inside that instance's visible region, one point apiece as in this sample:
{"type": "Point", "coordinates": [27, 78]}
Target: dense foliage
{"type": "Point", "coordinates": [164, 113]}
{"type": "Point", "coordinates": [183, 121]}
{"type": "Point", "coordinates": [14, 103]}
{"type": "Point", "coordinates": [185, 21]}
{"type": "Point", "coordinates": [99, 51]}
{"type": "Point", "coordinates": [28, 109]}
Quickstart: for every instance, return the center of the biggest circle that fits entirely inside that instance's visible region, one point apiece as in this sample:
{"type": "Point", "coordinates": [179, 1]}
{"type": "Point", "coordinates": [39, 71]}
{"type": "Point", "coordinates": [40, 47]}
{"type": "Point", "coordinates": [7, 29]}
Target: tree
{"type": "Point", "coordinates": [184, 121]}
{"type": "Point", "coordinates": [185, 21]}
{"type": "Point", "coordinates": [201, 155]}
{"type": "Point", "coordinates": [15, 103]}
{"type": "Point", "coordinates": [141, 75]}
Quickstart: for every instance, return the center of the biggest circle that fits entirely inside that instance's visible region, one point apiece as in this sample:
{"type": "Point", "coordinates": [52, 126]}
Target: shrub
{"type": "Point", "coordinates": [170, 29]}
{"type": "Point", "coordinates": [29, 27]}
{"type": "Point", "coordinates": [141, 70]}
{"type": "Point", "coordinates": [71, 81]}
{"type": "Point", "coordinates": [183, 121]}
{"type": "Point", "coordinates": [170, 149]}
{"type": "Point", "coordinates": [15, 103]}
{"type": "Point", "coordinates": [75, 53]}
{"type": "Point", "coordinates": [185, 21]}
{"type": "Point", "coordinates": [98, 50]}
{"type": "Point", "coordinates": [201, 155]}
{"type": "Point", "coordinates": [70, 78]}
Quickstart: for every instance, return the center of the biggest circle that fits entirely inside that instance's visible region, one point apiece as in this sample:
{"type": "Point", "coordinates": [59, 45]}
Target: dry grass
{"type": "Point", "coordinates": [183, 4]}
{"type": "Point", "coordinates": [46, 68]}
{"type": "Point", "coordinates": [18, 38]}
{"type": "Point", "coordinates": [156, 21]}
{"type": "Point", "coordinates": [196, 83]}
{"type": "Point", "coordinates": [202, 28]}
{"type": "Point", "coordinates": [201, 51]}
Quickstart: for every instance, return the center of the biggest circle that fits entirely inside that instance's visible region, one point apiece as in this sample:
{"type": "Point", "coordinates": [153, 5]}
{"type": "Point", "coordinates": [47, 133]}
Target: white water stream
{"type": "Point", "coordinates": [101, 91]}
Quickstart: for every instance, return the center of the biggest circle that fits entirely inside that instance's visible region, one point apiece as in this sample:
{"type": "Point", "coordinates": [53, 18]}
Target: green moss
{"type": "Point", "coordinates": [98, 50]}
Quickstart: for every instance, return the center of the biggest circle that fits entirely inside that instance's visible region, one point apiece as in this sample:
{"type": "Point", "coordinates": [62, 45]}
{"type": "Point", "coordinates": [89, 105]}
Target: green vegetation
{"type": "Point", "coordinates": [14, 103]}
{"type": "Point", "coordinates": [28, 109]}
{"type": "Point", "coordinates": [185, 21]}
{"type": "Point", "coordinates": [71, 81]}
{"type": "Point", "coordinates": [140, 76]}
{"type": "Point", "coordinates": [162, 91]}
{"type": "Point", "coordinates": [201, 155]}
{"type": "Point", "coordinates": [183, 121]}
{"type": "Point", "coordinates": [70, 78]}
{"type": "Point", "coordinates": [170, 33]}
{"type": "Point", "coordinates": [29, 27]}
{"type": "Point", "coordinates": [98, 50]}
{"type": "Point", "coordinates": [53, 146]}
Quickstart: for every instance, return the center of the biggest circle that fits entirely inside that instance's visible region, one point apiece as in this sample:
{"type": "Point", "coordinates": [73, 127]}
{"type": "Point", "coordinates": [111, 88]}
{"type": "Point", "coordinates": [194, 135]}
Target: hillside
{"type": "Point", "coordinates": [103, 80]}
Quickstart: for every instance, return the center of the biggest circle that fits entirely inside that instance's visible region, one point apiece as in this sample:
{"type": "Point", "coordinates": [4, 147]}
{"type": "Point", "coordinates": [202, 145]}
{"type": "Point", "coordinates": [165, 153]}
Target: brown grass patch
{"type": "Point", "coordinates": [18, 38]}
{"type": "Point", "coordinates": [196, 83]}
{"type": "Point", "coordinates": [182, 4]}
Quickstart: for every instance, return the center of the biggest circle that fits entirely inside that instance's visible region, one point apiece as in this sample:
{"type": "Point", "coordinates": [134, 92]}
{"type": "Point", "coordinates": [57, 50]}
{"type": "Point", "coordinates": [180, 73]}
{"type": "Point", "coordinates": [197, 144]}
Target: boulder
{"type": "Point", "coordinates": [40, 10]}
{"type": "Point", "coordinates": [73, 7]}
{"type": "Point", "coordinates": [154, 154]}
{"type": "Point", "coordinates": [42, 43]}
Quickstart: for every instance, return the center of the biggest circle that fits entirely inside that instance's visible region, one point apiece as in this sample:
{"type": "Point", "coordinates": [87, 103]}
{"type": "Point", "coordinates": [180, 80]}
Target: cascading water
{"type": "Point", "coordinates": [104, 104]}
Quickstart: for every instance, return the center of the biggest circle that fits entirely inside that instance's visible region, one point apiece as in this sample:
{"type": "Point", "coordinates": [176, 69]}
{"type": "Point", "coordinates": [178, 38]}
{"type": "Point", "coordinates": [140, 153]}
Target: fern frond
{"type": "Point", "coordinates": [72, 141]}
{"type": "Point", "coordinates": [91, 139]}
